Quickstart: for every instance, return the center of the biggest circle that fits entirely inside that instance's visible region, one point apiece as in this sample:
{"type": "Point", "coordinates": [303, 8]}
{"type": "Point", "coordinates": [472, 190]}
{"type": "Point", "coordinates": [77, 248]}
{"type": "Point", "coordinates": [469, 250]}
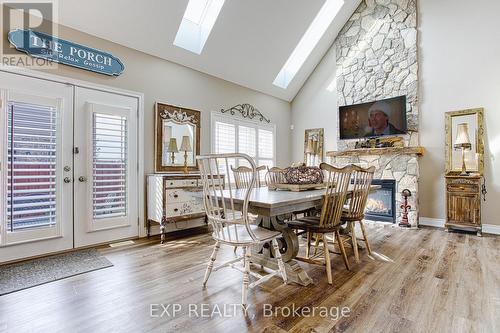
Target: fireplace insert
{"type": "Point", "coordinates": [381, 204]}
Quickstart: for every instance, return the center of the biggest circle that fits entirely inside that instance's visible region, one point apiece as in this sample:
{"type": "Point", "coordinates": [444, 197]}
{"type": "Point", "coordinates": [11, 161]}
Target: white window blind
{"type": "Point", "coordinates": [31, 174]}
{"type": "Point", "coordinates": [232, 135]}
{"type": "Point", "coordinates": [109, 191]}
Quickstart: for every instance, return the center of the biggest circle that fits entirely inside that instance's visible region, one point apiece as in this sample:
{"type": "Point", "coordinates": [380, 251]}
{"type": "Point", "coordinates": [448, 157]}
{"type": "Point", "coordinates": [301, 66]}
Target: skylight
{"type": "Point", "coordinates": [197, 23]}
{"type": "Point", "coordinates": [308, 42]}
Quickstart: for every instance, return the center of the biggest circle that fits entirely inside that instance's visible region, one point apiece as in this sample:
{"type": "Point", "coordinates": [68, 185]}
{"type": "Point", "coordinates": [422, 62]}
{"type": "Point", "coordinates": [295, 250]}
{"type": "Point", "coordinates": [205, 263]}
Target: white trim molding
{"type": "Point", "coordinates": [439, 223]}
{"type": "Point", "coordinates": [431, 222]}
{"type": "Point", "coordinates": [491, 229]}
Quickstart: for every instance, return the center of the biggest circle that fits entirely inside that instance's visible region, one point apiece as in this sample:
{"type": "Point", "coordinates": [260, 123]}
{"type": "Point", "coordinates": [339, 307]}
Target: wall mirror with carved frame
{"type": "Point", "coordinates": [465, 131]}
{"type": "Point", "coordinates": [313, 146]}
{"type": "Point", "coordinates": [177, 138]}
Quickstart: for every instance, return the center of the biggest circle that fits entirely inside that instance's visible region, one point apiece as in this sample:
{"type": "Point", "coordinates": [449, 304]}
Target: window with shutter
{"type": "Point", "coordinates": [109, 184]}
{"type": "Point", "coordinates": [231, 135]}
{"type": "Point", "coordinates": [31, 173]}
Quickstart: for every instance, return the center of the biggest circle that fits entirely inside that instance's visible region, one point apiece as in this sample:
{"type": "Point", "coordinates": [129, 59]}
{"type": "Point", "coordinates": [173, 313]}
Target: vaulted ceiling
{"type": "Point", "coordinates": [250, 41]}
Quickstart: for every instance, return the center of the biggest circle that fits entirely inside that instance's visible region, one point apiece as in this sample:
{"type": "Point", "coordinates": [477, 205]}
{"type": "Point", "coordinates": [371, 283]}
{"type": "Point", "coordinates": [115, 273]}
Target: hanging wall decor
{"type": "Point", "coordinates": [246, 111]}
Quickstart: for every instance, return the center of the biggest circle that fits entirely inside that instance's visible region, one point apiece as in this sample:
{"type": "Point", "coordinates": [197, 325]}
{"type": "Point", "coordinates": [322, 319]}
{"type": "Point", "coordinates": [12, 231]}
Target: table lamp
{"type": "Point", "coordinates": [463, 142]}
{"type": "Point", "coordinates": [309, 151]}
{"type": "Point", "coordinates": [185, 147]}
{"type": "Point", "coordinates": [315, 151]}
{"type": "Point", "coordinates": [172, 148]}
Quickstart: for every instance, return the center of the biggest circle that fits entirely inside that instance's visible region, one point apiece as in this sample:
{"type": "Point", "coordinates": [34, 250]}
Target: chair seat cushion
{"type": "Point", "coordinates": [240, 235]}
{"type": "Point", "coordinates": [311, 224]}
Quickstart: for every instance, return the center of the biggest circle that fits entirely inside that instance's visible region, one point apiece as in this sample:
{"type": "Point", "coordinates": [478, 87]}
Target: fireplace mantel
{"type": "Point", "coordinates": [419, 151]}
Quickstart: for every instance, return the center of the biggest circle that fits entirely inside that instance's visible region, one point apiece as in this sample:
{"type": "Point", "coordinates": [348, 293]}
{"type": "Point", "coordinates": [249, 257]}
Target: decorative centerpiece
{"type": "Point", "coordinates": [303, 175]}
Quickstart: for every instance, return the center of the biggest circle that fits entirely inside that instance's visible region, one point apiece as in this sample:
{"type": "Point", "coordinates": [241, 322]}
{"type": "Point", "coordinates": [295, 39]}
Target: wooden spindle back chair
{"type": "Point", "coordinates": [274, 176]}
{"type": "Point", "coordinates": [361, 181]}
{"type": "Point", "coordinates": [243, 176]}
{"type": "Point", "coordinates": [337, 187]}
{"type": "Point", "coordinates": [230, 223]}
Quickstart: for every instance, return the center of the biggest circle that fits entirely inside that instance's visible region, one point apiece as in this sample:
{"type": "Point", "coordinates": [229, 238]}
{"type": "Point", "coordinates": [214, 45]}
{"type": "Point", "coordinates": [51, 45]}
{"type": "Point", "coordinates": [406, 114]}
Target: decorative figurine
{"type": "Point", "coordinates": [405, 207]}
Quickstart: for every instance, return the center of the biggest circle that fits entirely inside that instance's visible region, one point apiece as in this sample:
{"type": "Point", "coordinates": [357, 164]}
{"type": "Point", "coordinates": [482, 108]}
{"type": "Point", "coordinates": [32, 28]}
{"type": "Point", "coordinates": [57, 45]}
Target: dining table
{"type": "Point", "coordinates": [273, 208]}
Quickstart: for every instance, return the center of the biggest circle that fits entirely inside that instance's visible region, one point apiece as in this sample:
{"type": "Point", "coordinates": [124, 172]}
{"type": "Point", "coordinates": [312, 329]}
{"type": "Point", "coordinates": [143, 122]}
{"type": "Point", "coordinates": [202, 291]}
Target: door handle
{"type": "Point", "coordinates": [67, 180]}
{"type": "Point", "coordinates": [82, 179]}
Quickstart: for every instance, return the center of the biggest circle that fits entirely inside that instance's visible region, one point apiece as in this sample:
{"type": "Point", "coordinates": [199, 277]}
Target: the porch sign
{"type": "Point", "coordinates": [40, 45]}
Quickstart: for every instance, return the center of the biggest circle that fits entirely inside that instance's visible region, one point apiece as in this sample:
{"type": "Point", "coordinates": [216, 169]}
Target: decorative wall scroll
{"type": "Point", "coordinates": [246, 111]}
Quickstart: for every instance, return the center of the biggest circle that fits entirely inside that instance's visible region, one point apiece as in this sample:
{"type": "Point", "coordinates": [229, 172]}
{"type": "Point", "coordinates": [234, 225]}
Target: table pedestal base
{"type": "Point", "coordinates": [294, 272]}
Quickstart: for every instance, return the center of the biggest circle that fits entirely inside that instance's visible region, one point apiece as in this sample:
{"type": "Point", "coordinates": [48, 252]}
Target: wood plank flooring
{"type": "Point", "coordinates": [423, 280]}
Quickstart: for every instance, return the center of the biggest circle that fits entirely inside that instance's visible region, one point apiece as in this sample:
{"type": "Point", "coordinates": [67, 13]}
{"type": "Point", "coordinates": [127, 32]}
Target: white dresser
{"type": "Point", "coordinates": [171, 202]}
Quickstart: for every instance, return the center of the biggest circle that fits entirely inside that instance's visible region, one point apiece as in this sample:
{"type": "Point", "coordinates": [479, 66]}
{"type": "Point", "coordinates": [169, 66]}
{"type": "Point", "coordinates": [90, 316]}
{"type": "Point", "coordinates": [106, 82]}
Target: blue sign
{"type": "Point", "coordinates": [41, 45]}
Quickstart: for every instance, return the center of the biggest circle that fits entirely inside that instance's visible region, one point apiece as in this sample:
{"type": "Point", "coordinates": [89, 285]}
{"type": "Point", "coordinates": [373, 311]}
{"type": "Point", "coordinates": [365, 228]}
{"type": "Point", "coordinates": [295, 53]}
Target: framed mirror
{"type": "Point", "coordinates": [464, 141]}
{"type": "Point", "coordinates": [177, 133]}
{"type": "Point", "coordinates": [313, 146]}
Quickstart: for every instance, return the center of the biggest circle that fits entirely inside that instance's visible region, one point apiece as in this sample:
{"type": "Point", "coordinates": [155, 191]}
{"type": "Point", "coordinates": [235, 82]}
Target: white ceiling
{"type": "Point", "coordinates": [249, 43]}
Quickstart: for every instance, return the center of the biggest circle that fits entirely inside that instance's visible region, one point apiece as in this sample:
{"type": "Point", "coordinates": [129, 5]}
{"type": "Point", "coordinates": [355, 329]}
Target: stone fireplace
{"type": "Point", "coordinates": [398, 164]}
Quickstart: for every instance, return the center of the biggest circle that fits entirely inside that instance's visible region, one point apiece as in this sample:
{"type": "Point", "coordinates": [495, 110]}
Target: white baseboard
{"type": "Point", "coordinates": [491, 229]}
{"type": "Point", "coordinates": [431, 222]}
{"type": "Point", "coordinates": [439, 223]}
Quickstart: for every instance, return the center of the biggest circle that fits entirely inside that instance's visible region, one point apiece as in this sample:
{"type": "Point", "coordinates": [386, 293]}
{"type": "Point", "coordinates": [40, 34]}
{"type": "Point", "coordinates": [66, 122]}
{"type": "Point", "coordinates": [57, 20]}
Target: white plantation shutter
{"type": "Point", "coordinates": [266, 147]}
{"type": "Point", "coordinates": [109, 183]}
{"type": "Point", "coordinates": [232, 135]}
{"type": "Point", "coordinates": [31, 173]}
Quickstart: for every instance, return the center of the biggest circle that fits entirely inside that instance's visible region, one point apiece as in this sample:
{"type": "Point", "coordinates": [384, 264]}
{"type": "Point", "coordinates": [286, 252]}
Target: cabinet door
{"type": "Point", "coordinates": [463, 208]}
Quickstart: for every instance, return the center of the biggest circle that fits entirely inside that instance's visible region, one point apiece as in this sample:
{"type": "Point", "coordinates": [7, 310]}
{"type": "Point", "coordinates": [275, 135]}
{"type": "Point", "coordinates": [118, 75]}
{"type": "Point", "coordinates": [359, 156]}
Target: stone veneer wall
{"type": "Point", "coordinates": [377, 58]}
{"type": "Point", "coordinates": [401, 167]}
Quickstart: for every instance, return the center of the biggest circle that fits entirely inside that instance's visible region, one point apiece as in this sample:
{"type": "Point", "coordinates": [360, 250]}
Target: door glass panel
{"type": "Point", "coordinates": [109, 184]}
{"type": "Point", "coordinates": [31, 174]}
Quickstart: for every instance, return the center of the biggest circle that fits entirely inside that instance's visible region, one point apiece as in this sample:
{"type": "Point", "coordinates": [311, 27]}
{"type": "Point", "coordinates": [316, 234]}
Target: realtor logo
{"type": "Point", "coordinates": [38, 15]}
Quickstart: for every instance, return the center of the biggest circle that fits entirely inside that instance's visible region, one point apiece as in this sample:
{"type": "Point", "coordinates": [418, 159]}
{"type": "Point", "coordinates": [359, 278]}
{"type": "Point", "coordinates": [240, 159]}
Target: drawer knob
{"type": "Point", "coordinates": [462, 188]}
{"type": "Point", "coordinates": [176, 209]}
{"type": "Point", "coordinates": [176, 195]}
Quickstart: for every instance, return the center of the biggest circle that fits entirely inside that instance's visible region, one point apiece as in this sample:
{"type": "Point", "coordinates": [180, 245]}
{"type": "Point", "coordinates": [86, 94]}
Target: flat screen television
{"type": "Point", "coordinates": [373, 119]}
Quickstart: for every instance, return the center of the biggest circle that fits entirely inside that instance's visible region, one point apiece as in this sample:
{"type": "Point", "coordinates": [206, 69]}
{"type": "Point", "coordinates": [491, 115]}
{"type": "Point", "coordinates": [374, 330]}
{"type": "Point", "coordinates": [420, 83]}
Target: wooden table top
{"type": "Point", "coordinates": [265, 198]}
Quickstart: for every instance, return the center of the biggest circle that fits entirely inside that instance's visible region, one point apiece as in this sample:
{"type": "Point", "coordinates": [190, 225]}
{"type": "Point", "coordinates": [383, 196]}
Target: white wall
{"type": "Point", "coordinates": [315, 106]}
{"type": "Point", "coordinates": [460, 69]}
{"type": "Point", "coordinates": [459, 52]}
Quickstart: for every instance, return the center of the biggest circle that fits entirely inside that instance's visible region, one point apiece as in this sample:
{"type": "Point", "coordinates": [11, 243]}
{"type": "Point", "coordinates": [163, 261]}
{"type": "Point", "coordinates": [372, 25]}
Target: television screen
{"type": "Point", "coordinates": [373, 119]}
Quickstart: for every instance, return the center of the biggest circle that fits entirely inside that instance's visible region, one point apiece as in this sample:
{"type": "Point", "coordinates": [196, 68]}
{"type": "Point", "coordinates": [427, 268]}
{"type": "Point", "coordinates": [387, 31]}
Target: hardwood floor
{"type": "Point", "coordinates": [423, 280]}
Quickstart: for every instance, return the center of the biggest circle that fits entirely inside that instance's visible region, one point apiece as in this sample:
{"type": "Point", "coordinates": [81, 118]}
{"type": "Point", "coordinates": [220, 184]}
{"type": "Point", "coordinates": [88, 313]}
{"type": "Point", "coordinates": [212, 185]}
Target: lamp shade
{"type": "Point", "coordinates": [462, 139]}
{"type": "Point", "coordinates": [186, 143]}
{"type": "Point", "coordinates": [172, 146]}
{"type": "Point", "coordinates": [309, 148]}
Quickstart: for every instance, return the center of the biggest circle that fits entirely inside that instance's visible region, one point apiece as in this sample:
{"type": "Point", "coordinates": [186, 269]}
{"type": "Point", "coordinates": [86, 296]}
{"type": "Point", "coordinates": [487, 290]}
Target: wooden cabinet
{"type": "Point", "coordinates": [174, 201]}
{"type": "Point", "coordinates": [463, 202]}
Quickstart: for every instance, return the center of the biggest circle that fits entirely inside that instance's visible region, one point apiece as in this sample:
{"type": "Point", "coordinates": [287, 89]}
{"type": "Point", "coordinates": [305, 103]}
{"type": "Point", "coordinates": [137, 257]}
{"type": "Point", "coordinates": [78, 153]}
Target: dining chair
{"type": "Point", "coordinates": [243, 176]}
{"type": "Point", "coordinates": [274, 176]}
{"type": "Point", "coordinates": [232, 228]}
{"type": "Point", "coordinates": [337, 187]}
{"type": "Point", "coordinates": [354, 210]}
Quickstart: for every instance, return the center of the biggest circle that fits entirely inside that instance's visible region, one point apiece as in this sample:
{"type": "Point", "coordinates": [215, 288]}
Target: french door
{"type": "Point", "coordinates": [106, 192]}
{"type": "Point", "coordinates": [68, 167]}
{"type": "Point", "coordinates": [36, 192]}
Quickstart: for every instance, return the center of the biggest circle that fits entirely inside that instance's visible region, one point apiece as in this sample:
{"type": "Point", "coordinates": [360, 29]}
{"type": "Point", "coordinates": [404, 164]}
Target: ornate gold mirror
{"type": "Point", "coordinates": [177, 133]}
{"type": "Point", "coordinates": [464, 141]}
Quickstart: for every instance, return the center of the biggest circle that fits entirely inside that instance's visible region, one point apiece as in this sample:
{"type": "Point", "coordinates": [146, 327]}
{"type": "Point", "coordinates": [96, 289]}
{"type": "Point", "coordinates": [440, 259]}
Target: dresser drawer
{"type": "Point", "coordinates": [465, 188]}
{"type": "Point", "coordinates": [174, 183]}
{"type": "Point", "coordinates": [185, 208]}
{"type": "Point", "coordinates": [181, 194]}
